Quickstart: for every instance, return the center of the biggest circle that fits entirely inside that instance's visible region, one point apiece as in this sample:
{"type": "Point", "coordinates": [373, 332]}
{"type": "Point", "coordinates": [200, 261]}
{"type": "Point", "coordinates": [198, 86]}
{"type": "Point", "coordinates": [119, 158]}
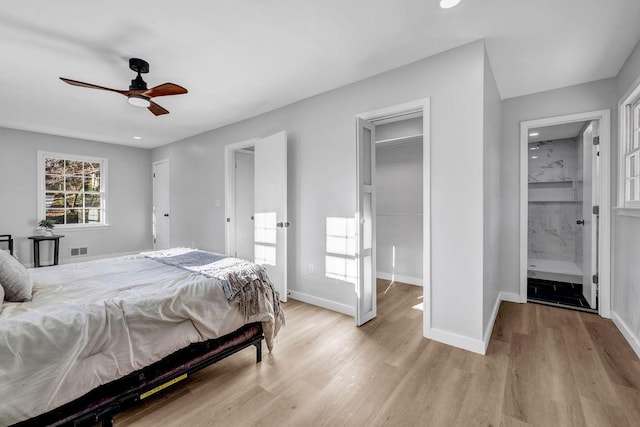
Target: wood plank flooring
{"type": "Point", "coordinates": [545, 366]}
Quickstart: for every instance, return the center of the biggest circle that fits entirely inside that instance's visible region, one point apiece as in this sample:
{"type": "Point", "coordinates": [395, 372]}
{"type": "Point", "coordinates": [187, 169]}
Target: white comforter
{"type": "Point", "coordinates": [93, 322]}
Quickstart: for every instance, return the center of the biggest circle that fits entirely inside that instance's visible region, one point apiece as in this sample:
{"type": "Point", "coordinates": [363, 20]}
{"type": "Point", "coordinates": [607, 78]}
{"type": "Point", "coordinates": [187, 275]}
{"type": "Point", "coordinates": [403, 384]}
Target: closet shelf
{"type": "Point", "coordinates": [400, 140]}
{"type": "Point", "coordinates": [555, 201]}
{"type": "Point", "coordinates": [551, 183]}
{"type": "Point", "coordinates": [399, 214]}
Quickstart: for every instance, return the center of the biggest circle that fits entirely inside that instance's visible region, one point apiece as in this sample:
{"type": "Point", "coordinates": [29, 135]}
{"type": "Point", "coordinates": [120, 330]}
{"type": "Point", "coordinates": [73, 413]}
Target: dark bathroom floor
{"type": "Point", "coordinates": [547, 291]}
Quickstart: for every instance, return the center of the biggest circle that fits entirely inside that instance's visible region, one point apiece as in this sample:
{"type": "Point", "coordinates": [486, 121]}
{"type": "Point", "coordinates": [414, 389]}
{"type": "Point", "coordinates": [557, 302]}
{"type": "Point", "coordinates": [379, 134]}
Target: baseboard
{"type": "Point", "coordinates": [460, 341]}
{"type": "Point", "coordinates": [324, 303]}
{"type": "Point", "coordinates": [633, 341]}
{"type": "Point", "coordinates": [502, 296]}
{"type": "Point", "coordinates": [511, 297]}
{"type": "Point", "coordinates": [399, 278]}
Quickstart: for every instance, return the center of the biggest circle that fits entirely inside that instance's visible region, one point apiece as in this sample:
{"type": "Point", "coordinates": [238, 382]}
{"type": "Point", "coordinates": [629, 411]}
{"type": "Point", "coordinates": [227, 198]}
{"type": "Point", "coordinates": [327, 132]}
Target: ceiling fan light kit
{"type": "Point", "coordinates": [139, 101]}
{"type": "Point", "coordinates": [138, 94]}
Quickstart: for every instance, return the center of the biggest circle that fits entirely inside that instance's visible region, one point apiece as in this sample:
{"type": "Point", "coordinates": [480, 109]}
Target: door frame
{"type": "Point", "coordinates": [230, 192]}
{"type": "Point", "coordinates": [399, 112]}
{"type": "Point", "coordinates": [604, 181]}
{"type": "Point", "coordinates": [153, 201]}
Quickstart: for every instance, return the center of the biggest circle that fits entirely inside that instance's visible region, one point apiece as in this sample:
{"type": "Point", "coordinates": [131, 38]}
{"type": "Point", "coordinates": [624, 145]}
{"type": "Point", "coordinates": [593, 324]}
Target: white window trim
{"type": "Point", "coordinates": [104, 183]}
{"type": "Point", "coordinates": [624, 139]}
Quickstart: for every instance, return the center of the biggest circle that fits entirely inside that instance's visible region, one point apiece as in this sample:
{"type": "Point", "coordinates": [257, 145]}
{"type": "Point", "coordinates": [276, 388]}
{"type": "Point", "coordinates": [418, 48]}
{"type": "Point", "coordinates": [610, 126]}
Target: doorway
{"type": "Point", "coordinates": [399, 189]}
{"type": "Point", "coordinates": [256, 205]}
{"type": "Point", "coordinates": [161, 220]}
{"type": "Point", "coordinates": [564, 220]}
{"type": "Point", "coordinates": [244, 170]}
{"type": "Point", "coordinates": [366, 205]}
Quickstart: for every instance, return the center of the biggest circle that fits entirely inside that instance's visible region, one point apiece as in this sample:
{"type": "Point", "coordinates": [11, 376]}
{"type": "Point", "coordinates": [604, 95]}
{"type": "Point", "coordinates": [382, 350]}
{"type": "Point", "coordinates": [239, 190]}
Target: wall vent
{"type": "Point", "coordinates": [79, 251]}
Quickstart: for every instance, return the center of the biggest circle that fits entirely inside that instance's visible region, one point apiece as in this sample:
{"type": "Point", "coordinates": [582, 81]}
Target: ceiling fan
{"type": "Point", "coordinates": [138, 94]}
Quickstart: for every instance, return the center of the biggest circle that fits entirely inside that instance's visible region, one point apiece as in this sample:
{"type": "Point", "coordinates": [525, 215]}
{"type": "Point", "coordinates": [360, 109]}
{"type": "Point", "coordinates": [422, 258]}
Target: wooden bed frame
{"type": "Point", "coordinates": [100, 404]}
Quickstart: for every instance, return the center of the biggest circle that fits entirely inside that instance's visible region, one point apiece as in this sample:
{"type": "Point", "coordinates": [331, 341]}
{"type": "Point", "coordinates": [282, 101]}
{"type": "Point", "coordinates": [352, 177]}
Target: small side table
{"type": "Point", "coordinates": [36, 248]}
{"type": "Point", "coordinates": [6, 238]}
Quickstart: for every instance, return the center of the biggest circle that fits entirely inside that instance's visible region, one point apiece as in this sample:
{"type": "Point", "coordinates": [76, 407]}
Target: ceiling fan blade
{"type": "Point", "coordinates": [156, 109]}
{"type": "Point", "coordinates": [91, 86]}
{"type": "Point", "coordinates": [165, 89]}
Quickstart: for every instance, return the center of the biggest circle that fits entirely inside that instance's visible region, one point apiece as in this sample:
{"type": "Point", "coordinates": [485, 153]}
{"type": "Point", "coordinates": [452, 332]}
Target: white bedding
{"type": "Point", "coordinates": [93, 322]}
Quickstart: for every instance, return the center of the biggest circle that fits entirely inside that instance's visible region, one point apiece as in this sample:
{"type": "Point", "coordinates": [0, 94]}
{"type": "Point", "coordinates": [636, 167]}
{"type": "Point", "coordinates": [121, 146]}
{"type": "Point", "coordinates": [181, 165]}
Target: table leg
{"type": "Point", "coordinates": [56, 247]}
{"type": "Point", "coordinates": [36, 253]}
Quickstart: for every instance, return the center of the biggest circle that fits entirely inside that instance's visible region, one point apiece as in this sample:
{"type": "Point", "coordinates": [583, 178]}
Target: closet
{"type": "Point", "coordinates": [399, 201]}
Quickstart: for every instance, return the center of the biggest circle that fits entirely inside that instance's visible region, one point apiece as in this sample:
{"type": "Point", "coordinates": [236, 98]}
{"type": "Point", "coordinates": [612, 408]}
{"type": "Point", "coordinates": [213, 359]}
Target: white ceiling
{"type": "Point", "coordinates": [242, 58]}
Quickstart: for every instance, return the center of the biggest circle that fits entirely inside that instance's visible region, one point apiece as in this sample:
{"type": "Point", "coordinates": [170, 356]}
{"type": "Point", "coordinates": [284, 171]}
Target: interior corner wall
{"type": "Point", "coordinates": [625, 310]}
{"type": "Point", "coordinates": [598, 95]}
{"type": "Point", "coordinates": [322, 180]}
{"type": "Point", "coordinates": [129, 197]}
{"type": "Point", "coordinates": [493, 165]}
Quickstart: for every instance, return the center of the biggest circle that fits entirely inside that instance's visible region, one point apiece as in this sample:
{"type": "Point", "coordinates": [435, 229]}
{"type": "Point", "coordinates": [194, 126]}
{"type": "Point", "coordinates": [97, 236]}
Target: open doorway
{"type": "Point", "coordinates": [244, 173]}
{"type": "Point", "coordinates": [387, 209]}
{"type": "Point", "coordinates": [399, 207]}
{"type": "Point", "coordinates": [564, 229]}
{"type": "Point", "coordinates": [256, 205]}
{"type": "Point", "coordinates": [562, 224]}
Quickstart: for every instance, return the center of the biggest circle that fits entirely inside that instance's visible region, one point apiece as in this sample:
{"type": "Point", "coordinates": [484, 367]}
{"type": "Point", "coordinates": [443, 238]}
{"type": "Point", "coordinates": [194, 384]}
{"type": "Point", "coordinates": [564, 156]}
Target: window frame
{"type": "Point", "coordinates": [629, 111]}
{"type": "Point", "coordinates": [104, 187]}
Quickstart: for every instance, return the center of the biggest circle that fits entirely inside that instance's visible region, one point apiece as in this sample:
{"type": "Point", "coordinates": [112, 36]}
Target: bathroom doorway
{"type": "Point", "coordinates": [564, 226]}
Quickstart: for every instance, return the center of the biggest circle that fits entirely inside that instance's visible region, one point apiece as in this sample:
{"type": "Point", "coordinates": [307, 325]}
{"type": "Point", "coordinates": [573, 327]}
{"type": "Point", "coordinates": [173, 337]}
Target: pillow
{"type": "Point", "coordinates": [15, 279]}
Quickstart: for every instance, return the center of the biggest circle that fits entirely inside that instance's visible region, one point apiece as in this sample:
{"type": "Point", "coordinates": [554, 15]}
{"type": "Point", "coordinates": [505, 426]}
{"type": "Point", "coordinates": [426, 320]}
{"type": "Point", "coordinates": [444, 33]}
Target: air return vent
{"type": "Point", "coordinates": [79, 251]}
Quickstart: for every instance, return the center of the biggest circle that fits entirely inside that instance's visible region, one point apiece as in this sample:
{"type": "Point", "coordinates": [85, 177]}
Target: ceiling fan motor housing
{"type": "Point", "coordinates": [138, 84]}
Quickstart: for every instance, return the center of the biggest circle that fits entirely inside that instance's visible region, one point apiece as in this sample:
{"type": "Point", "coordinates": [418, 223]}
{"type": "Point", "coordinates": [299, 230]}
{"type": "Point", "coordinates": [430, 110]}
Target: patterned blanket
{"type": "Point", "coordinates": [242, 281]}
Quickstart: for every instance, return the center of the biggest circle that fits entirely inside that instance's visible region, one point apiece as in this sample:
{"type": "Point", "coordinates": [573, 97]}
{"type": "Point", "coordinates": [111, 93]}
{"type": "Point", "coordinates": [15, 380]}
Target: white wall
{"type": "Point", "coordinates": [399, 211]}
{"type": "Point", "coordinates": [322, 179]}
{"type": "Point", "coordinates": [592, 96]}
{"type": "Point", "coordinates": [492, 159]}
{"type": "Point", "coordinates": [129, 195]}
{"type": "Point", "coordinates": [626, 237]}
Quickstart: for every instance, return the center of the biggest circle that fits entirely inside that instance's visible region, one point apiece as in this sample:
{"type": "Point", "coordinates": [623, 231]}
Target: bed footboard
{"type": "Point", "coordinates": [102, 403]}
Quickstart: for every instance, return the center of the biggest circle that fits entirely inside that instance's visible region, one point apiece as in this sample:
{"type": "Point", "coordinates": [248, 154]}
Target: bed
{"type": "Point", "coordinates": [126, 325]}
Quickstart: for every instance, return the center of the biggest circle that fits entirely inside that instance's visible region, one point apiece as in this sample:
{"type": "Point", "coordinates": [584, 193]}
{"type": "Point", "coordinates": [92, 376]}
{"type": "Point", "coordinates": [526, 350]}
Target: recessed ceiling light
{"type": "Point", "coordinates": [534, 157]}
{"type": "Point", "coordinates": [448, 4]}
{"type": "Point", "coordinates": [534, 134]}
{"type": "Point", "coordinates": [137, 137]}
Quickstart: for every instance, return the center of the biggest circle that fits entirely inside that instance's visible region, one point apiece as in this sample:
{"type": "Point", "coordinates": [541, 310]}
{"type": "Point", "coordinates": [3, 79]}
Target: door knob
{"type": "Point", "coordinates": [580, 222]}
{"type": "Point", "coordinates": [167, 215]}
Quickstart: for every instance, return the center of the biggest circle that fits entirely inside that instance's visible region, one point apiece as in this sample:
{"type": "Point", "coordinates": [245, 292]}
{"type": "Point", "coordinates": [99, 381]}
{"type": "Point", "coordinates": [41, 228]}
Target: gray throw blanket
{"type": "Point", "coordinates": [242, 281]}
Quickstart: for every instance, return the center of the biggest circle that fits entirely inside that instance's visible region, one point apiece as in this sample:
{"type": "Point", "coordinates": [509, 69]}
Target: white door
{"type": "Point", "coordinates": [270, 219]}
{"type": "Point", "coordinates": [244, 204]}
{"type": "Point", "coordinates": [590, 226]}
{"type": "Point", "coordinates": [365, 216]}
{"type": "Point", "coordinates": [161, 206]}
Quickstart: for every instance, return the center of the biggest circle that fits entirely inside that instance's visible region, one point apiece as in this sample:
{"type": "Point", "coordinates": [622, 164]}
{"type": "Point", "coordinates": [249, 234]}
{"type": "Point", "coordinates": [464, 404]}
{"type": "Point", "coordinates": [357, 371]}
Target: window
{"type": "Point", "coordinates": [632, 155]}
{"type": "Point", "coordinates": [72, 189]}
{"type": "Point", "coordinates": [340, 260]}
{"type": "Point", "coordinates": [630, 152]}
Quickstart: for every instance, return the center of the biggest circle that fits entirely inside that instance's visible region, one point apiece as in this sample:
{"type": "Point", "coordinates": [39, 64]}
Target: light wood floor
{"type": "Point", "coordinates": [544, 366]}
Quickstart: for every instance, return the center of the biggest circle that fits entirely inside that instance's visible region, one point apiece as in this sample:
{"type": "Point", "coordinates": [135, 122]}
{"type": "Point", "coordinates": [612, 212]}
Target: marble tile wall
{"type": "Point", "coordinates": [553, 160]}
{"type": "Point", "coordinates": [552, 217]}
{"type": "Point", "coordinates": [552, 231]}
